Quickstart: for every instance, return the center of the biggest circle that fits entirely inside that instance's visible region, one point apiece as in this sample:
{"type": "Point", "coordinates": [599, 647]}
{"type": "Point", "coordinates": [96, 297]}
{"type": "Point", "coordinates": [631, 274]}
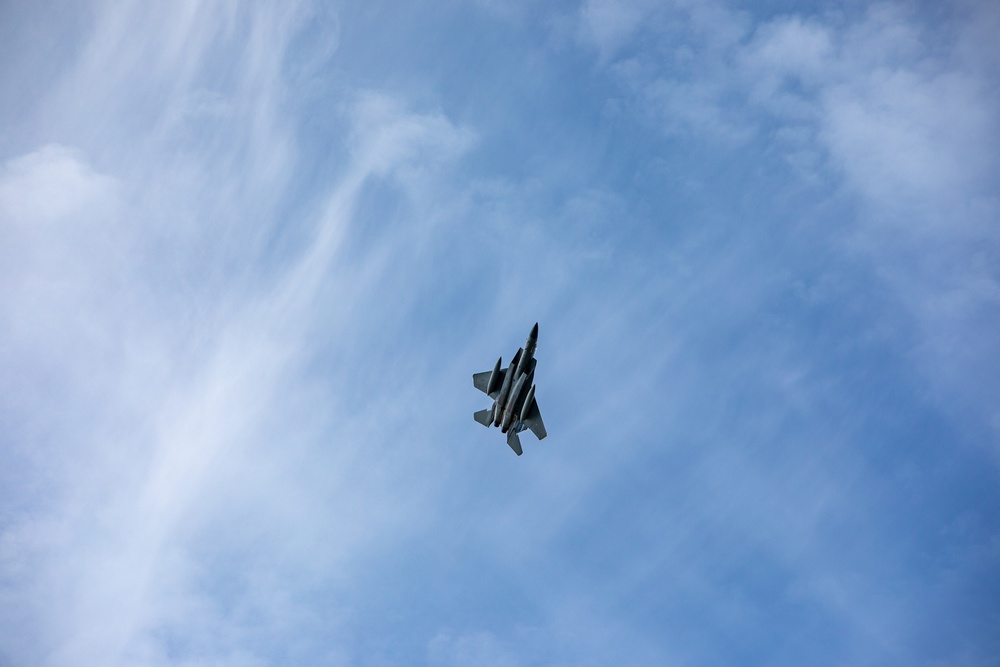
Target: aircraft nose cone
{"type": "Point", "coordinates": [534, 332]}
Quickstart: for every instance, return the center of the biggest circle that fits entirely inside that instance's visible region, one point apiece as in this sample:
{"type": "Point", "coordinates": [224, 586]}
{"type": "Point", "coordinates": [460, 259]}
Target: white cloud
{"type": "Point", "coordinates": [194, 423]}
{"type": "Point", "coordinates": [50, 186]}
{"type": "Point", "coordinates": [609, 24]}
{"type": "Point", "coordinates": [911, 142]}
{"type": "Point", "coordinates": [63, 246]}
{"type": "Point", "coordinates": [889, 110]}
{"type": "Point", "coordinates": [387, 137]}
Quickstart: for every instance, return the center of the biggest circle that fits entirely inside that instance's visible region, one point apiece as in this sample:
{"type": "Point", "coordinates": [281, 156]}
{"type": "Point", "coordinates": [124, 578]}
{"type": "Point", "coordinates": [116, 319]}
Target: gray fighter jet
{"type": "Point", "coordinates": [513, 393]}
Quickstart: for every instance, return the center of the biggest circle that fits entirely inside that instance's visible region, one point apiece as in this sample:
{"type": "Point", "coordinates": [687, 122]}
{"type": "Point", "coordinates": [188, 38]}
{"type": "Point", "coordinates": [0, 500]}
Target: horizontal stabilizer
{"type": "Point", "coordinates": [514, 442]}
{"type": "Point", "coordinates": [484, 417]}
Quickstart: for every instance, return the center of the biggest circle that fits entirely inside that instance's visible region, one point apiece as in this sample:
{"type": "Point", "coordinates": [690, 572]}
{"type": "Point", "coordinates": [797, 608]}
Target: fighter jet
{"type": "Point", "coordinates": [513, 393]}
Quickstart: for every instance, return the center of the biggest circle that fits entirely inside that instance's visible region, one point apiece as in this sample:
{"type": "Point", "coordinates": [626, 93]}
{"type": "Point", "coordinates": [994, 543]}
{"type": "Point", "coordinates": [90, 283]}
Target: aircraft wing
{"type": "Point", "coordinates": [533, 420]}
{"type": "Point", "coordinates": [480, 380]}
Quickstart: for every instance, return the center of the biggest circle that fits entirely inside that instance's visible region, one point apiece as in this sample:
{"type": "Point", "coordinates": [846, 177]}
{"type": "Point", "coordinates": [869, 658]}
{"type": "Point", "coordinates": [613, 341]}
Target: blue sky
{"type": "Point", "coordinates": [251, 254]}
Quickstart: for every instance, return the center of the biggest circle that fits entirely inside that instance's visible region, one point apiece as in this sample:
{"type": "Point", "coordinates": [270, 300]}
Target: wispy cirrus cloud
{"type": "Point", "coordinates": [178, 416]}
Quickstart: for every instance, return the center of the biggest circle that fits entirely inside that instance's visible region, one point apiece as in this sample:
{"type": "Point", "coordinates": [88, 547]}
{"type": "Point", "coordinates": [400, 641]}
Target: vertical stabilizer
{"type": "Point", "coordinates": [514, 442]}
